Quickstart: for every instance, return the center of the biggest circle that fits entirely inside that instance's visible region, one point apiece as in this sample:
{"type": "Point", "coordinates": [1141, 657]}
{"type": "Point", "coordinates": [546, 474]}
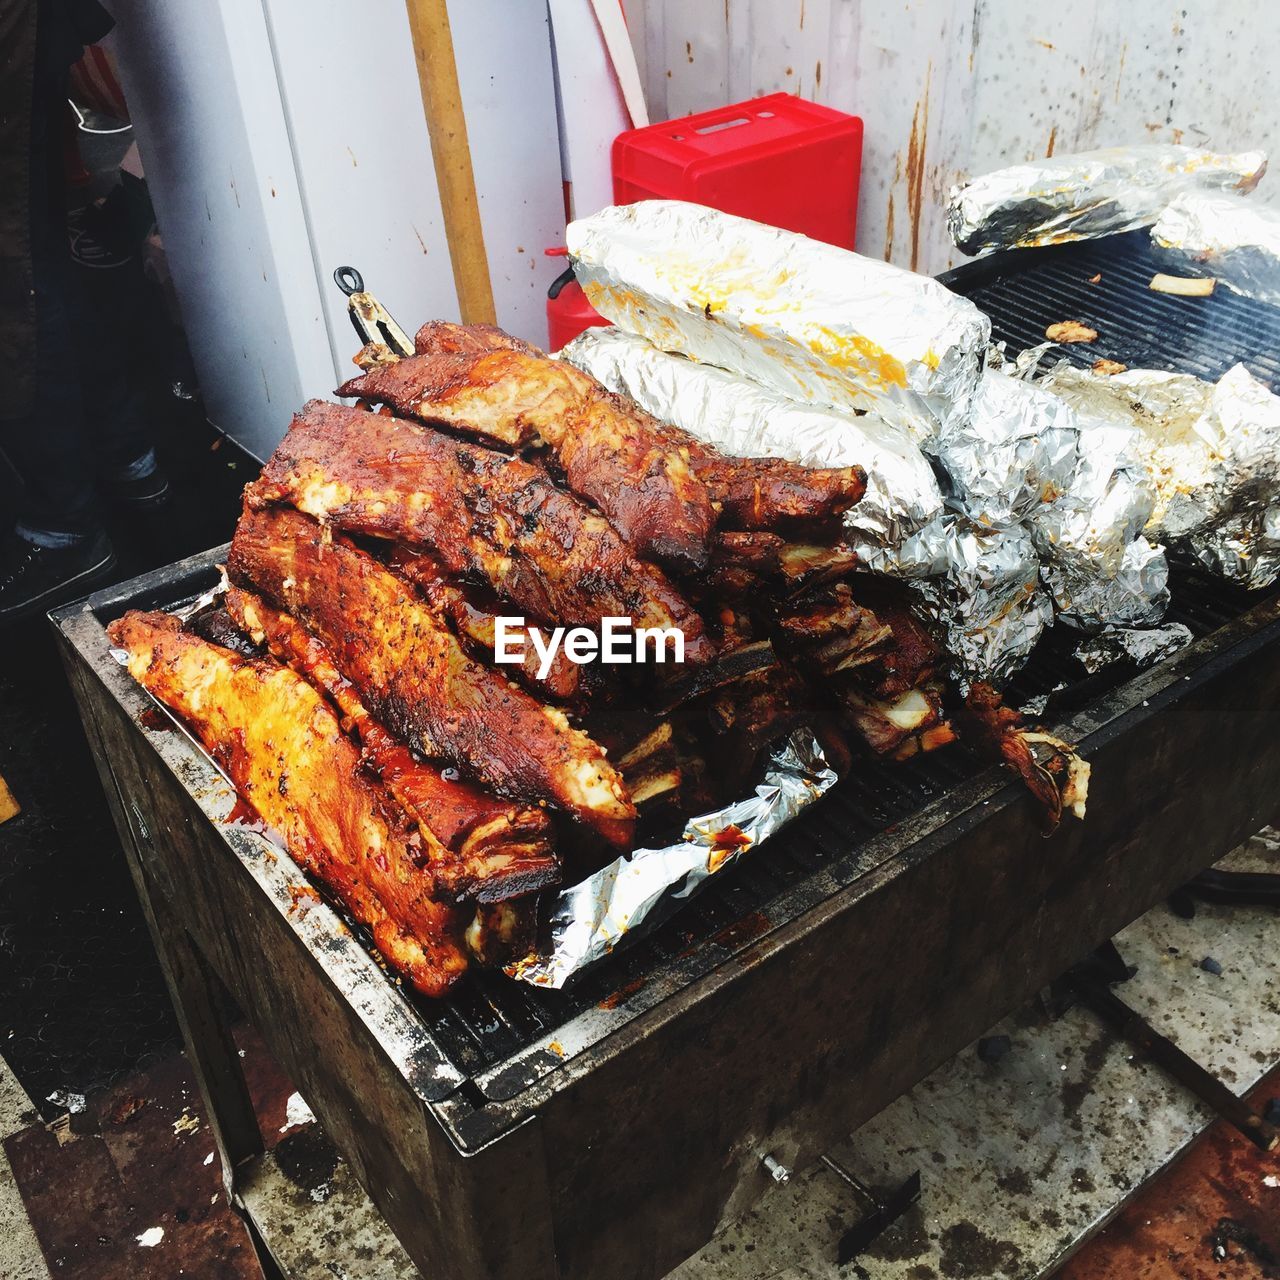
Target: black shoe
{"type": "Point", "coordinates": [34, 579]}
{"type": "Point", "coordinates": [146, 493]}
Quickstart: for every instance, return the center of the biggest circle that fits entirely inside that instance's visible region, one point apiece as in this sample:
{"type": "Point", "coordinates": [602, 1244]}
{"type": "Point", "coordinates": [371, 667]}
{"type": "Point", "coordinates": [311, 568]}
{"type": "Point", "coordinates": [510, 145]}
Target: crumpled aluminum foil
{"type": "Point", "coordinates": [636, 892]}
{"type": "Point", "coordinates": [745, 420]}
{"type": "Point", "coordinates": [1235, 241]}
{"type": "Point", "coordinates": [1089, 194]}
{"type": "Point", "coordinates": [1015, 451]}
{"type": "Point", "coordinates": [1243, 548]}
{"type": "Point", "coordinates": [1136, 594]}
{"type": "Point", "coordinates": [1026, 456]}
{"type": "Point", "coordinates": [1108, 502]}
{"type": "Point", "coordinates": [1142, 646]}
{"type": "Point", "coordinates": [1211, 450]}
{"type": "Point", "coordinates": [816, 323]}
{"type": "Point", "coordinates": [982, 586]}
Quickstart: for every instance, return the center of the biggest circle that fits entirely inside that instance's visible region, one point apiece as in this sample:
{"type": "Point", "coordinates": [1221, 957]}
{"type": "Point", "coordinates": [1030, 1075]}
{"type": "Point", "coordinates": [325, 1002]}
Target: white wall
{"type": "Point", "coordinates": [284, 138]}
{"type": "Point", "coordinates": [948, 88]}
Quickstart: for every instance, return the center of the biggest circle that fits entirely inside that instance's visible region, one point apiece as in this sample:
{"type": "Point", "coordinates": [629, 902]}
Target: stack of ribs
{"type": "Point", "coordinates": [348, 685]}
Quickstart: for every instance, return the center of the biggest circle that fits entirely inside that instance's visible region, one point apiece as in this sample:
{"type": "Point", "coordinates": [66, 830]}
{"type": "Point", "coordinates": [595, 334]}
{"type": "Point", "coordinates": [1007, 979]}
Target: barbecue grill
{"type": "Point", "coordinates": [608, 1129]}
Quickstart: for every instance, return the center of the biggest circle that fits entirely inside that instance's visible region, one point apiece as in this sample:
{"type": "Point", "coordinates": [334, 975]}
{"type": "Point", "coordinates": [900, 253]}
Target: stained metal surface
{"type": "Point", "coordinates": [322, 1231]}
{"type": "Point", "coordinates": [934, 84]}
{"type": "Point", "coordinates": [1024, 1158]}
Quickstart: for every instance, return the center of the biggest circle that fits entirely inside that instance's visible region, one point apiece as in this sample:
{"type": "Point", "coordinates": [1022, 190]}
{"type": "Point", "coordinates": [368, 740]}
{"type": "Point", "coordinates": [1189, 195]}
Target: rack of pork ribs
{"type": "Point", "coordinates": [347, 683]}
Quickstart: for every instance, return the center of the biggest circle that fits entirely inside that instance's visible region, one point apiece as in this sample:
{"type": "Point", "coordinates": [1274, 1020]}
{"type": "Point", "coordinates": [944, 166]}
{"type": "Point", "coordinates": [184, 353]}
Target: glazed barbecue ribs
{"type": "Point", "coordinates": [650, 478]}
{"type": "Point", "coordinates": [486, 516]}
{"type": "Point", "coordinates": [411, 673]}
{"type": "Point", "coordinates": [512, 394]}
{"type": "Point", "coordinates": [284, 749]}
{"type": "Point", "coordinates": [478, 846]}
{"type": "Point", "coordinates": [476, 625]}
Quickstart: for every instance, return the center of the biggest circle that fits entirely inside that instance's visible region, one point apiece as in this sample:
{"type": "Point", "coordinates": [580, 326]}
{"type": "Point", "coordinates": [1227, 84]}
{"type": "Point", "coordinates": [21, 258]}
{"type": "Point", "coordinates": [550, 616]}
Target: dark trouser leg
{"type": "Point", "coordinates": [85, 412]}
{"type": "Point", "coordinates": [51, 449]}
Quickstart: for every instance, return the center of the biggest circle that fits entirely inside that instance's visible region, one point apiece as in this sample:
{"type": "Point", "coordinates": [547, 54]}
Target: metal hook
{"type": "Point", "coordinates": [349, 280]}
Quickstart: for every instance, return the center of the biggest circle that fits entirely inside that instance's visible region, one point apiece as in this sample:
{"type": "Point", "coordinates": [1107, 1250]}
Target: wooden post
{"type": "Point", "coordinates": [451, 154]}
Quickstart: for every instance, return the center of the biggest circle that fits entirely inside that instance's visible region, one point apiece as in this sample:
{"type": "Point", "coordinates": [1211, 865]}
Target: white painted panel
{"type": "Point", "coordinates": [503, 49]}
{"type": "Point", "coordinates": [364, 161]}
{"type": "Point", "coordinates": [202, 93]}
{"type": "Point", "coordinates": [592, 112]}
{"type": "Point", "coordinates": [283, 139]}
{"type": "Point", "coordinates": [949, 88]}
{"type": "Point", "coordinates": [364, 155]}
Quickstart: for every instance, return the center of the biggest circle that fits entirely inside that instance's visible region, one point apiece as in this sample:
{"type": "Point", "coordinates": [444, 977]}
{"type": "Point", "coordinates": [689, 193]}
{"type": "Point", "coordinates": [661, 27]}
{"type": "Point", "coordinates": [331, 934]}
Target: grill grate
{"type": "Point", "coordinates": [490, 1017]}
{"type": "Point", "coordinates": [1025, 290]}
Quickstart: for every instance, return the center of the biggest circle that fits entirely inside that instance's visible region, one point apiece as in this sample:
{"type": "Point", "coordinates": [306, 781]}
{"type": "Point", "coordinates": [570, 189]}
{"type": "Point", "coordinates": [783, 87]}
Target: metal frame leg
{"type": "Point", "coordinates": [199, 999]}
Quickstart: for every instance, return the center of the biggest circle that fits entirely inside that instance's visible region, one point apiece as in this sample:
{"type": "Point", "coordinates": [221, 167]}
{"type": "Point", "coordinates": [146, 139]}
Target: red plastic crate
{"type": "Point", "coordinates": [778, 159]}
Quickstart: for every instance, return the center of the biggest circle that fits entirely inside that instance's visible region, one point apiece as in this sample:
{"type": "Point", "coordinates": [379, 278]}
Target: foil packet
{"type": "Point", "coordinates": [981, 586]}
{"type": "Point", "coordinates": [1089, 194]}
{"type": "Point", "coordinates": [635, 893]}
{"type": "Point", "coordinates": [818, 324]}
{"type": "Point", "coordinates": [1243, 548]}
{"type": "Point", "coordinates": [745, 420]}
{"type": "Point", "coordinates": [1212, 451]}
{"type": "Point", "coordinates": [1235, 241]}
{"type": "Point", "coordinates": [1015, 451]}
{"type": "Point", "coordinates": [1136, 594]}
{"type": "Point", "coordinates": [1143, 647]}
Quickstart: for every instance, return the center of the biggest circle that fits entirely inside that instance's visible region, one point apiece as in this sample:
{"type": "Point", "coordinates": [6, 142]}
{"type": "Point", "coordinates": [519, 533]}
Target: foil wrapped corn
{"type": "Point", "coordinates": [818, 324]}
{"type": "Point", "coordinates": [1210, 449]}
{"type": "Point", "coordinates": [1243, 548]}
{"type": "Point", "coordinates": [1134, 594]}
{"type": "Point", "coordinates": [1089, 194]}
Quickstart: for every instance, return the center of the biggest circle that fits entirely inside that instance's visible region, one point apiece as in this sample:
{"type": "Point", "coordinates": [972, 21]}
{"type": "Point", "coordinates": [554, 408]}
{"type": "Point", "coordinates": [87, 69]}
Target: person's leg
{"type": "Point", "coordinates": [50, 448]}
{"type": "Point", "coordinates": [57, 546]}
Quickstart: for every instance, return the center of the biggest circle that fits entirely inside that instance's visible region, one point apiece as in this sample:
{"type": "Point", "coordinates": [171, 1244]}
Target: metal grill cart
{"type": "Point", "coordinates": [609, 1129]}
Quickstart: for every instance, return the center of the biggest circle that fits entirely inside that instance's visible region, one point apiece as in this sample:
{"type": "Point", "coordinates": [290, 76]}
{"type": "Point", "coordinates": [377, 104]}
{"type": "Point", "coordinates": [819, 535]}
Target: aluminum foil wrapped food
{"type": "Point", "coordinates": [982, 586]}
{"type": "Point", "coordinates": [1098, 568]}
{"type": "Point", "coordinates": [1135, 594]}
{"type": "Point", "coordinates": [1243, 548]}
{"type": "Point", "coordinates": [1089, 194]}
{"type": "Point", "coordinates": [1014, 452]}
{"type": "Point", "coordinates": [1024, 457]}
{"type": "Point", "coordinates": [1236, 241]}
{"type": "Point", "coordinates": [1212, 452]}
{"type": "Point", "coordinates": [743, 419]}
{"type": "Point", "coordinates": [818, 324]}
{"type": "Point", "coordinates": [1143, 646]}
{"type": "Point", "coordinates": [635, 893]}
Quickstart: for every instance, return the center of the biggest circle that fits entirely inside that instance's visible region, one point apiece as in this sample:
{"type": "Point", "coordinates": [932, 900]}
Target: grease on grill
{"type": "Point", "coordinates": [615, 998]}
{"type": "Point", "coordinates": [740, 932]}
